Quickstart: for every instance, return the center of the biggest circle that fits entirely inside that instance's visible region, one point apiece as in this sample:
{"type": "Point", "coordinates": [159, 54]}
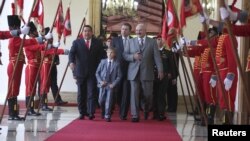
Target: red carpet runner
{"type": "Point", "coordinates": [117, 130]}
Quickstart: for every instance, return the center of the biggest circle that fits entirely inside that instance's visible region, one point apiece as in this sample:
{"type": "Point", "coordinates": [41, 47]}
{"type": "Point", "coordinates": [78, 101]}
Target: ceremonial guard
{"type": "Point", "coordinates": [44, 73]}
{"type": "Point", "coordinates": [14, 81]}
{"type": "Point", "coordinates": [33, 54]}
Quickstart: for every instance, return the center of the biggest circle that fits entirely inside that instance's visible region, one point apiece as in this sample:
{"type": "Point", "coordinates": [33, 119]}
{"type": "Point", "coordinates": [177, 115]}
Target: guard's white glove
{"type": "Point", "coordinates": [49, 46]}
{"type": "Point", "coordinates": [25, 29]}
{"type": "Point", "coordinates": [66, 52]}
{"type": "Point", "coordinates": [228, 81]}
{"type": "Point", "coordinates": [39, 39]}
{"type": "Point", "coordinates": [184, 41]}
{"type": "Point", "coordinates": [56, 45]}
{"type": "Point", "coordinates": [48, 36]}
{"type": "Point", "coordinates": [224, 13]}
{"type": "Point", "coordinates": [204, 19]}
{"type": "Point", "coordinates": [14, 33]}
{"type": "Point", "coordinates": [213, 81]}
{"type": "Point", "coordinates": [177, 47]}
{"type": "Point", "coordinates": [174, 49]}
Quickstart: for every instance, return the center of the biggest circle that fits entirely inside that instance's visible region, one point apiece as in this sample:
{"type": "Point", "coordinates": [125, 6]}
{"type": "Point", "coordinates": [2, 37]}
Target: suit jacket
{"type": "Point", "coordinates": [150, 56]}
{"type": "Point", "coordinates": [86, 60]}
{"type": "Point", "coordinates": [115, 74]}
{"type": "Point", "coordinates": [117, 43]}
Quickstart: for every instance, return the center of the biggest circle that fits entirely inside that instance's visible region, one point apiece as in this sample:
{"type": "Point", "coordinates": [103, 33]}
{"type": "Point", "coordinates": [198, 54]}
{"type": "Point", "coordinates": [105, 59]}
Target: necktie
{"type": "Point", "coordinates": [87, 44]}
{"type": "Point", "coordinates": [141, 43]}
{"type": "Point", "coordinates": [125, 41]}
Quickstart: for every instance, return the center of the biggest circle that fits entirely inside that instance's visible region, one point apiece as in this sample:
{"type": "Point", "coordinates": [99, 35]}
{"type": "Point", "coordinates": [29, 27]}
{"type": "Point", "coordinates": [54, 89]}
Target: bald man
{"type": "Point", "coordinates": [142, 54]}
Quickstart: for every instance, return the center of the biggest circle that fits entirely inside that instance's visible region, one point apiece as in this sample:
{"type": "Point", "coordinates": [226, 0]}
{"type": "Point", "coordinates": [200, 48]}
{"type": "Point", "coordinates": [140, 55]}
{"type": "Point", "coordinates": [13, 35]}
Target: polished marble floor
{"type": "Point", "coordinates": [40, 128]}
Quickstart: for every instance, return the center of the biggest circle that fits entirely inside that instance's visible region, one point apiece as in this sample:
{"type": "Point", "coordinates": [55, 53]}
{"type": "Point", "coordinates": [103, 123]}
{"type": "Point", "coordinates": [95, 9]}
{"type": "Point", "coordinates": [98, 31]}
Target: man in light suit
{"type": "Point", "coordinates": [142, 53]}
{"type": "Point", "coordinates": [84, 57]}
{"type": "Point", "coordinates": [123, 89]}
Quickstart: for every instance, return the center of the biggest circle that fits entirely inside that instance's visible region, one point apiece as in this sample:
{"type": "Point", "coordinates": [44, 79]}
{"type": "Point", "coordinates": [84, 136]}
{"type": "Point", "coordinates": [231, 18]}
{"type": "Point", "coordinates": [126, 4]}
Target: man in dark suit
{"type": "Point", "coordinates": [84, 57]}
{"type": "Point", "coordinates": [142, 53]}
{"type": "Point", "coordinates": [123, 89]}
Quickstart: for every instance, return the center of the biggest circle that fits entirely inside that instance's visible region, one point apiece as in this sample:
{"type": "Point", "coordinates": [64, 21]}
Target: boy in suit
{"type": "Point", "coordinates": [108, 75]}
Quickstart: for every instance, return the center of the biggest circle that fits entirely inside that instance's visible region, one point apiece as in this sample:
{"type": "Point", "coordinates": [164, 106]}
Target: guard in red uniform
{"type": "Point", "coordinates": [228, 72]}
{"type": "Point", "coordinates": [33, 54]}
{"type": "Point", "coordinates": [14, 81]}
{"type": "Point", "coordinates": [192, 52]}
{"type": "Point", "coordinates": [207, 73]}
{"type": "Point", "coordinates": [44, 74]}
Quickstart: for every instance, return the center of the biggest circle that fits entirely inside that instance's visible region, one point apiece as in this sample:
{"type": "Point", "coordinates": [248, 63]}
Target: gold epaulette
{"type": "Point", "coordinates": [219, 48]}
{"type": "Point", "coordinates": [204, 56]}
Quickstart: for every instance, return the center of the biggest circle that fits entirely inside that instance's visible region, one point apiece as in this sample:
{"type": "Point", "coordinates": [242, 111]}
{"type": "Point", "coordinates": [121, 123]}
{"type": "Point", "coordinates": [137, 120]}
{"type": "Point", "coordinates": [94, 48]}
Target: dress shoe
{"type": "Point", "coordinates": [61, 102]}
{"type": "Point", "coordinates": [123, 117]}
{"type": "Point", "coordinates": [135, 120]}
{"type": "Point", "coordinates": [46, 108]}
{"type": "Point", "coordinates": [162, 117]}
{"type": "Point", "coordinates": [91, 117]}
{"type": "Point", "coordinates": [145, 115]}
{"type": "Point", "coordinates": [108, 119]}
{"type": "Point", "coordinates": [16, 117]}
{"type": "Point", "coordinates": [31, 112]}
{"type": "Point", "coordinates": [81, 117]}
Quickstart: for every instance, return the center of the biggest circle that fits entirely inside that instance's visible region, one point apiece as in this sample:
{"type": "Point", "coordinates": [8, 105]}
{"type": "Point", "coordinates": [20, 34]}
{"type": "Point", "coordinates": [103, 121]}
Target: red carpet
{"type": "Point", "coordinates": [117, 130]}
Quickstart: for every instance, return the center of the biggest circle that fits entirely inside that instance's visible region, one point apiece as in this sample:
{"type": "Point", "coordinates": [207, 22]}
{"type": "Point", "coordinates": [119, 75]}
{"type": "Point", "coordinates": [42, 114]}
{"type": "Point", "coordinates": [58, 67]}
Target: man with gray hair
{"type": "Point", "coordinates": [142, 53]}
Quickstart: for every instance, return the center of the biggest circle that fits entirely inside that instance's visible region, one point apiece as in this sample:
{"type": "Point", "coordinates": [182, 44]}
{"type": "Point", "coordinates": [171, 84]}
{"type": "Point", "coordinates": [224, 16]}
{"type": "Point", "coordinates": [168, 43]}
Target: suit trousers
{"type": "Point", "coordinates": [86, 95]}
{"type": "Point", "coordinates": [105, 100]}
{"type": "Point", "coordinates": [147, 96]}
{"type": "Point", "coordinates": [172, 97]}
{"type": "Point", "coordinates": [124, 89]}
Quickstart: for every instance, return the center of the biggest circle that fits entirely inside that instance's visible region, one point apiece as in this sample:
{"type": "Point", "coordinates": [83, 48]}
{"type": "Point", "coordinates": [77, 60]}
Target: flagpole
{"type": "Point", "coordinates": [15, 66]}
{"type": "Point", "coordinates": [182, 90]}
{"type": "Point", "coordinates": [67, 66]}
{"type": "Point", "coordinates": [192, 74]}
{"type": "Point", "coordinates": [236, 56]}
{"type": "Point", "coordinates": [1, 8]}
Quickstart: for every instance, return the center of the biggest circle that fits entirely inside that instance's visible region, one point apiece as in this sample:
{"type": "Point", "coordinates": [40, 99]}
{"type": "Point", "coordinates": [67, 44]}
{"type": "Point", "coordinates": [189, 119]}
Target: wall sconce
{"type": "Point", "coordinates": [209, 5]}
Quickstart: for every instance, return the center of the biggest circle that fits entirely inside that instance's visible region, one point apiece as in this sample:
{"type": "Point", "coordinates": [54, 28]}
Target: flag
{"type": "Point", "coordinates": [38, 12]}
{"type": "Point", "coordinates": [20, 4]}
{"type": "Point", "coordinates": [189, 8]}
{"type": "Point", "coordinates": [170, 20]}
{"type": "Point", "coordinates": [59, 24]}
{"type": "Point", "coordinates": [67, 25]}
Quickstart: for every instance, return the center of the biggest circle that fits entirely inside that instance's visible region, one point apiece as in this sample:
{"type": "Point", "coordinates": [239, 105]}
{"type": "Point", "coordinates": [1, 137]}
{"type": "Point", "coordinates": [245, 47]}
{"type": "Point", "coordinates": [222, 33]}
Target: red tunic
{"type": "Point", "coordinates": [206, 70]}
{"type": "Point", "coordinates": [5, 35]}
{"type": "Point", "coordinates": [226, 64]}
{"type": "Point", "coordinates": [33, 54]}
{"type": "Point", "coordinates": [14, 46]}
{"type": "Point", "coordinates": [44, 73]}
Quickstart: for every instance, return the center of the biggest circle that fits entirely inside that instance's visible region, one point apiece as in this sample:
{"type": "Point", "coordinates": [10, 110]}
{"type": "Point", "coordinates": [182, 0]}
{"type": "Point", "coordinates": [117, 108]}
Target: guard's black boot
{"type": "Point", "coordinates": [16, 110]}
{"type": "Point", "coordinates": [11, 112]}
{"type": "Point", "coordinates": [228, 118]}
{"type": "Point", "coordinates": [31, 111]}
{"type": "Point", "coordinates": [45, 103]}
{"type": "Point", "coordinates": [210, 114]}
